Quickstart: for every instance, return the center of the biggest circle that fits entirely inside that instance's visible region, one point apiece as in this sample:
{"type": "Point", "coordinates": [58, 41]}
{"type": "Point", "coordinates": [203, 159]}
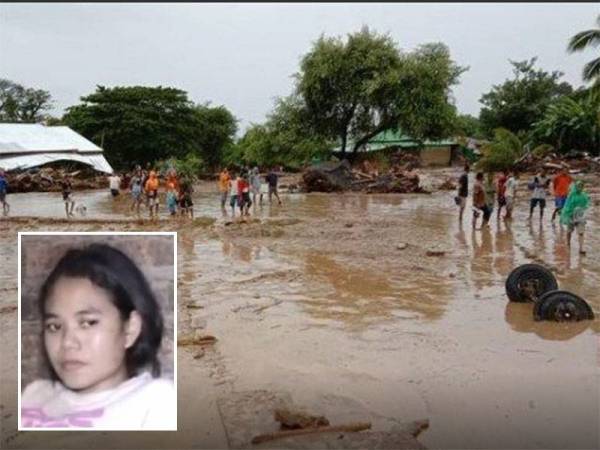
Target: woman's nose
{"type": "Point", "coordinates": [70, 338]}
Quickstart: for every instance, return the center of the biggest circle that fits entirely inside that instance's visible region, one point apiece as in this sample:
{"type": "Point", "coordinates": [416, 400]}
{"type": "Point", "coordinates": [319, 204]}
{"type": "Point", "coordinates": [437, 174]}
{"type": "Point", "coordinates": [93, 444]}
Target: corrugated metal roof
{"type": "Point", "coordinates": [33, 137]}
{"type": "Point", "coordinates": [389, 138]}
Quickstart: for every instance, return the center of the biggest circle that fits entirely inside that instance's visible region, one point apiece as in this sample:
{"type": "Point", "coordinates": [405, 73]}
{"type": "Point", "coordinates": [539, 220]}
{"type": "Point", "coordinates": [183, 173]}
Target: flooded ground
{"type": "Point", "coordinates": [321, 299]}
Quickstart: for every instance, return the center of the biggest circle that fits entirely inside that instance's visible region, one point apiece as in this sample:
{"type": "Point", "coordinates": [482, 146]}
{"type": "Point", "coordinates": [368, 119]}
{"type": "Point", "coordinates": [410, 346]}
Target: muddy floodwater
{"type": "Point", "coordinates": [333, 299]}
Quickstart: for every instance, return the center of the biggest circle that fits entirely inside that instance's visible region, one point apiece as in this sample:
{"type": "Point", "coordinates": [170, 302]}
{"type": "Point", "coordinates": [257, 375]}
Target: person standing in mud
{"type": "Point", "coordinates": [256, 185]}
{"type": "Point", "coordinates": [510, 193]}
{"type": "Point", "coordinates": [224, 179]}
{"type": "Point", "coordinates": [136, 191]}
{"type": "Point", "coordinates": [463, 192]}
{"type": "Point", "coordinates": [114, 183]}
{"type": "Point", "coordinates": [560, 186]}
{"type": "Point", "coordinates": [3, 192]}
{"type": "Point", "coordinates": [501, 192]}
{"type": "Point", "coordinates": [243, 193]}
{"type": "Point", "coordinates": [573, 213]}
{"type": "Point", "coordinates": [67, 195]}
{"type": "Point", "coordinates": [479, 201]}
{"type": "Point", "coordinates": [539, 186]}
{"type": "Point", "coordinates": [272, 180]}
{"type": "Point", "coordinates": [490, 192]}
{"type": "Point", "coordinates": [233, 193]}
{"type": "Point", "coordinates": [186, 204]}
{"type": "Point", "coordinates": [151, 190]}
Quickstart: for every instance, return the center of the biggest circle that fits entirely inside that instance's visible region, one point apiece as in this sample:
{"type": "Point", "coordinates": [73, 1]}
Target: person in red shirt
{"type": "Point", "coordinates": [560, 185]}
{"type": "Point", "coordinates": [500, 192]}
{"type": "Point", "coordinates": [244, 195]}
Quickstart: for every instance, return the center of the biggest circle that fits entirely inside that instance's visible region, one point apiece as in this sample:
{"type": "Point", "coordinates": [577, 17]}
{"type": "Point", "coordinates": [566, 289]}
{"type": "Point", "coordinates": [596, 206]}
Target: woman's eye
{"type": "Point", "coordinates": [52, 327]}
{"type": "Point", "coordinates": [88, 323]}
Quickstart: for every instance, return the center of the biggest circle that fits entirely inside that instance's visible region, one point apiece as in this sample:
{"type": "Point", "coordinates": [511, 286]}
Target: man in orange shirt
{"type": "Point", "coordinates": [560, 186]}
{"type": "Point", "coordinates": [224, 179]}
{"type": "Point", "coordinates": [151, 189]}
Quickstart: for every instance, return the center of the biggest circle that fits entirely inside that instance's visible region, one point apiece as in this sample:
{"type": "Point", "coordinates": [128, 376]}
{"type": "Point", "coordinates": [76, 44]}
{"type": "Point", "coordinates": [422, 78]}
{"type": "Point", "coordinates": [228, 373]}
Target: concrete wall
{"type": "Point", "coordinates": [436, 156]}
{"type": "Point", "coordinates": [39, 255]}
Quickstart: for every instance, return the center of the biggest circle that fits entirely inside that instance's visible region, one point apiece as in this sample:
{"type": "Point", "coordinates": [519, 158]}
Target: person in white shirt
{"type": "Point", "coordinates": [114, 182]}
{"type": "Point", "coordinates": [511, 193]}
{"type": "Point", "coordinates": [102, 329]}
{"type": "Point", "coordinates": [539, 187]}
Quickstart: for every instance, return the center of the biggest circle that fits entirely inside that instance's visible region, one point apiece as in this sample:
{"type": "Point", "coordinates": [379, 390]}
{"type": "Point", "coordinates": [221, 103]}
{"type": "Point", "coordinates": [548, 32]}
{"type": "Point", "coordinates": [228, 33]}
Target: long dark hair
{"type": "Point", "coordinates": [114, 271]}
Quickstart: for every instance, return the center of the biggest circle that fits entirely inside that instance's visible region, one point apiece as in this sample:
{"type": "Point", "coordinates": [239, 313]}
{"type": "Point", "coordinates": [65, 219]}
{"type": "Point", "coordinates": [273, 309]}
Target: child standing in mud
{"type": "Point", "coordinates": [101, 330]}
{"type": "Point", "coordinates": [67, 195]}
{"type": "Point", "coordinates": [185, 198]}
{"type": "Point", "coordinates": [224, 179]}
{"type": "Point", "coordinates": [463, 192]}
{"type": "Point", "coordinates": [3, 192]}
{"type": "Point", "coordinates": [243, 193]}
{"type": "Point", "coordinates": [490, 192]}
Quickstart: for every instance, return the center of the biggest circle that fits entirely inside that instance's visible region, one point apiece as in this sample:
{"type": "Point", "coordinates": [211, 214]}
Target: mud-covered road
{"type": "Point", "coordinates": [333, 299]}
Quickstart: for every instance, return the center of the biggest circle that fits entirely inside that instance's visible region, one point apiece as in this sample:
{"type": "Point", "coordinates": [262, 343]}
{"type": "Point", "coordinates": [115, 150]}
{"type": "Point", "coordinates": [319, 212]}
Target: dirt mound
{"type": "Point", "coordinates": [574, 162]}
{"type": "Point", "coordinates": [339, 176]}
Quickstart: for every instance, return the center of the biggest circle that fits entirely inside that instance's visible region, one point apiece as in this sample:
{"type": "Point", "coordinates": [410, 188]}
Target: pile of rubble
{"type": "Point", "coordinates": [574, 162]}
{"type": "Point", "coordinates": [340, 176]}
{"type": "Point", "coordinates": [48, 179]}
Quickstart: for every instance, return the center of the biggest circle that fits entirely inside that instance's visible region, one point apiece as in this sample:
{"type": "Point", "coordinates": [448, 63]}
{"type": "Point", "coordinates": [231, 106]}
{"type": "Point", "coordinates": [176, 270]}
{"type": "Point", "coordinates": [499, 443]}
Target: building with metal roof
{"type": "Point", "coordinates": [26, 145]}
{"type": "Point", "coordinates": [430, 152]}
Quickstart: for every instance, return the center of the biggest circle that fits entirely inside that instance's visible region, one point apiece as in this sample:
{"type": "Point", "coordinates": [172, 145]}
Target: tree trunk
{"type": "Point", "coordinates": [344, 140]}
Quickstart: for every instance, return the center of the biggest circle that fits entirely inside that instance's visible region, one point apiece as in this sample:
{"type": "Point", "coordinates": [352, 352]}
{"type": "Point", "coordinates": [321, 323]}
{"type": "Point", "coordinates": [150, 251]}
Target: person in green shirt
{"type": "Point", "coordinates": [573, 213]}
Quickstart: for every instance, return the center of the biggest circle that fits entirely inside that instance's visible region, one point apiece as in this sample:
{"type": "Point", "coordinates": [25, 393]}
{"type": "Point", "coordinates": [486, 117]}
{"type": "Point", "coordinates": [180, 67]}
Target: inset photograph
{"type": "Point", "coordinates": [97, 327]}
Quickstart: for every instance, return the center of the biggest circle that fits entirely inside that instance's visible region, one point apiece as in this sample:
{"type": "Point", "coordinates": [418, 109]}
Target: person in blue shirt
{"type": "Point", "coordinates": [3, 191]}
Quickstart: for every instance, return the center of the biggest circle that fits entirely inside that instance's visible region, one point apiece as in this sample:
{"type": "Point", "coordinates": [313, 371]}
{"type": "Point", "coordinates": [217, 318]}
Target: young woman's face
{"type": "Point", "coordinates": [85, 337]}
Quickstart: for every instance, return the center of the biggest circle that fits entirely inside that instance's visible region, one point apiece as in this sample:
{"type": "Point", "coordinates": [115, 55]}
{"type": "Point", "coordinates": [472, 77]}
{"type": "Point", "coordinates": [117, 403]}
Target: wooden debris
{"type": "Point", "coordinates": [294, 420]}
{"type": "Point", "coordinates": [200, 340]}
{"type": "Point", "coordinates": [349, 428]}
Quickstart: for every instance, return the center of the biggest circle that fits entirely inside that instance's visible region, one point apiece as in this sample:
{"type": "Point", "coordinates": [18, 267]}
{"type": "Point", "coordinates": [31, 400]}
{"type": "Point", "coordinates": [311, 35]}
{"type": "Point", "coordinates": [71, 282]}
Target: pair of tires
{"type": "Point", "coordinates": [536, 284]}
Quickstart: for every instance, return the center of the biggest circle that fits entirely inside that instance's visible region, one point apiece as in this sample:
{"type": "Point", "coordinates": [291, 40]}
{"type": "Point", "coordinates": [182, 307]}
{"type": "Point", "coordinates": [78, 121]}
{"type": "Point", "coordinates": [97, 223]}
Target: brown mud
{"type": "Point", "coordinates": [332, 300]}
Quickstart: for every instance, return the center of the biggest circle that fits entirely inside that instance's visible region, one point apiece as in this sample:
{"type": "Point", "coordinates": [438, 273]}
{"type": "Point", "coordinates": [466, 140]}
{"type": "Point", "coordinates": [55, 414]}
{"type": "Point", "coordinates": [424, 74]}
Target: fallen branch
{"type": "Point", "coordinates": [350, 428]}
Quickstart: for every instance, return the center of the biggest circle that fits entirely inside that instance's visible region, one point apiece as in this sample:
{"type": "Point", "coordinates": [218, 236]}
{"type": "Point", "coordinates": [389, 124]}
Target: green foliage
{"type": "Point", "coordinates": [583, 40]}
{"type": "Point", "coordinates": [21, 104]}
{"type": "Point", "coordinates": [355, 89]}
{"type": "Point", "coordinates": [216, 127]}
{"type": "Point", "coordinates": [501, 153]}
{"type": "Point", "coordinates": [138, 124]}
{"type": "Point", "coordinates": [572, 123]}
{"type": "Point", "coordinates": [468, 126]}
{"type": "Point", "coordinates": [286, 138]}
{"type": "Point", "coordinates": [518, 103]}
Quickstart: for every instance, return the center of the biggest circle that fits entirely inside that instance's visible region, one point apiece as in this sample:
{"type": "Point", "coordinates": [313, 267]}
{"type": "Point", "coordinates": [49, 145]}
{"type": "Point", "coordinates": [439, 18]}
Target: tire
{"type": "Point", "coordinates": [534, 277]}
{"type": "Point", "coordinates": [562, 306]}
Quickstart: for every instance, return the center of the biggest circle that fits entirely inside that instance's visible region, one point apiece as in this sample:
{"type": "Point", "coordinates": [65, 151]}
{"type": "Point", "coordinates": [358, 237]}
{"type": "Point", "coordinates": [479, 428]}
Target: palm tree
{"type": "Point", "coordinates": [583, 40]}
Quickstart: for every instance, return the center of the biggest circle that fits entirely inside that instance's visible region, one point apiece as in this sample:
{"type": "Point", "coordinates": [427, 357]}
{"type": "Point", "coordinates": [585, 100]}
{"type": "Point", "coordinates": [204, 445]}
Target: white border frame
{"type": "Point", "coordinates": [93, 233]}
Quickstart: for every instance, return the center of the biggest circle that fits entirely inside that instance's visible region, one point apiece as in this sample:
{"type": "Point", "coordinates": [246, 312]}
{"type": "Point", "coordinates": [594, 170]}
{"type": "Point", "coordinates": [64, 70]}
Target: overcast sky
{"type": "Point", "coordinates": [243, 55]}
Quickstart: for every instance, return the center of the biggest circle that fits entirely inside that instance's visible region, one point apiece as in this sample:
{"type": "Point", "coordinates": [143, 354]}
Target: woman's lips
{"type": "Point", "coordinates": [71, 365]}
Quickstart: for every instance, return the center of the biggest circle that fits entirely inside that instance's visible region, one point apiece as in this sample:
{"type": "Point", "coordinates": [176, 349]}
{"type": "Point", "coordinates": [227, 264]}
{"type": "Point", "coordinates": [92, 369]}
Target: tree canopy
{"type": "Point", "coordinates": [21, 104]}
{"type": "Point", "coordinates": [518, 103]}
{"type": "Point", "coordinates": [588, 39]}
{"type": "Point", "coordinates": [356, 88]}
{"type": "Point", "coordinates": [139, 124]}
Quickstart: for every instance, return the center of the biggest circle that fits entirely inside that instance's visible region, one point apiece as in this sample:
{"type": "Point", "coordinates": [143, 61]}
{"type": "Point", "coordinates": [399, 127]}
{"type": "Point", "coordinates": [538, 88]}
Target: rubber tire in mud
{"type": "Point", "coordinates": [529, 272]}
{"type": "Point", "coordinates": [550, 303]}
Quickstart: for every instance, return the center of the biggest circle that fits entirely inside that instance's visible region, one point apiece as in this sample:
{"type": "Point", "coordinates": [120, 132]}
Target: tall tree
{"type": "Point", "coordinates": [518, 103]}
{"type": "Point", "coordinates": [588, 39]}
{"type": "Point", "coordinates": [138, 124]}
{"type": "Point", "coordinates": [215, 132]}
{"type": "Point", "coordinates": [21, 104]}
{"type": "Point", "coordinates": [355, 89]}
